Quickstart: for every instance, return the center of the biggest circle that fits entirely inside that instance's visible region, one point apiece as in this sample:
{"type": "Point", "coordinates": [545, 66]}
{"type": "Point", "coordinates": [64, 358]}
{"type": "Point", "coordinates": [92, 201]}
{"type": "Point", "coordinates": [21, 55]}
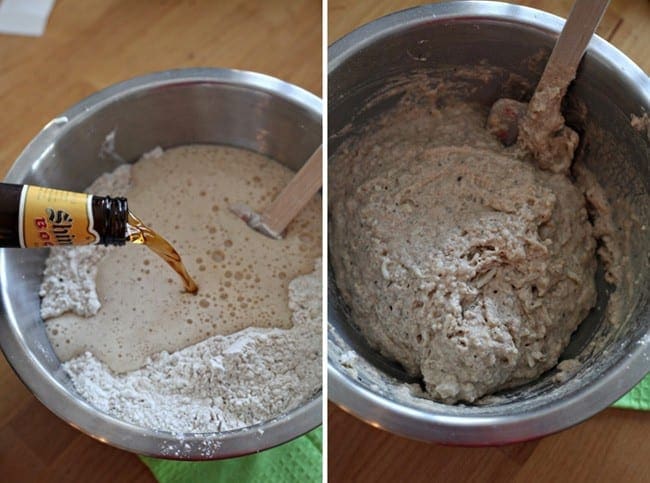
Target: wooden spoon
{"type": "Point", "coordinates": [539, 126]}
{"type": "Point", "coordinates": [572, 43]}
{"type": "Point", "coordinates": [274, 219]}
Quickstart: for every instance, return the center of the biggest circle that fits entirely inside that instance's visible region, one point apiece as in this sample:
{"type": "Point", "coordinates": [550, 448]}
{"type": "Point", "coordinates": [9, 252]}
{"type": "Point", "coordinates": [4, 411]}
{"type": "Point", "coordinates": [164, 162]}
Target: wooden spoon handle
{"type": "Point", "coordinates": [570, 46]}
{"type": "Point", "coordinates": [296, 194]}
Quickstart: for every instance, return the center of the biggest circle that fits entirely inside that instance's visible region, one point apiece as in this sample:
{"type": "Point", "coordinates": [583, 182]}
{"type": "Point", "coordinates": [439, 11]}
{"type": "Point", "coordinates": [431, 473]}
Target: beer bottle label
{"type": "Point", "coordinates": [51, 217]}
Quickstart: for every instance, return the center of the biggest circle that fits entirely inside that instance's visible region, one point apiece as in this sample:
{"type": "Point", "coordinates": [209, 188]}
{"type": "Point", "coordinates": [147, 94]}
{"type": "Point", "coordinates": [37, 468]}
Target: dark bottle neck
{"type": "Point", "coordinates": [9, 211]}
{"type": "Point", "coordinates": [110, 219]}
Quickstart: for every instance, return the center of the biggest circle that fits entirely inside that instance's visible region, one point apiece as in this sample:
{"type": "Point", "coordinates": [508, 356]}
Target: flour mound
{"type": "Point", "coordinates": [221, 383]}
{"type": "Point", "coordinates": [69, 277]}
{"type": "Point", "coordinates": [67, 287]}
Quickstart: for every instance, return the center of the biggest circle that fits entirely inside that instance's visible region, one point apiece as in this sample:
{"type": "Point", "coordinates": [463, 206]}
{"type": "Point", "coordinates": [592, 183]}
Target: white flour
{"type": "Point", "coordinates": [218, 384]}
{"type": "Point", "coordinates": [69, 277]}
{"type": "Point", "coordinates": [222, 383]}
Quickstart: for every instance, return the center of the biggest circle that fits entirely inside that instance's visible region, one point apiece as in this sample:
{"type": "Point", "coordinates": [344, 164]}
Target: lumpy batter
{"type": "Point", "coordinates": [243, 276]}
{"type": "Point", "coordinates": [458, 258]}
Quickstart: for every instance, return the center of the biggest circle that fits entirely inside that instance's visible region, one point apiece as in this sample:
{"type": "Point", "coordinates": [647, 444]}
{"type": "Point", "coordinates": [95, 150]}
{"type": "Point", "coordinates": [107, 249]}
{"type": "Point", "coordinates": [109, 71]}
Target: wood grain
{"type": "Point", "coordinates": [94, 43]}
{"type": "Point", "coordinates": [625, 24]}
{"type": "Point", "coordinates": [88, 45]}
{"type": "Point", "coordinates": [91, 44]}
{"type": "Point", "coordinates": [613, 446]}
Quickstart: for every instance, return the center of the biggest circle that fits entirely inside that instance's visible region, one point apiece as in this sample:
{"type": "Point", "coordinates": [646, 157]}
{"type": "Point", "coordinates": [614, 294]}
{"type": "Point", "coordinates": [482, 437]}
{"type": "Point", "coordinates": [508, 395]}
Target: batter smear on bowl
{"type": "Point", "coordinates": [459, 258]}
{"type": "Point", "coordinates": [244, 349]}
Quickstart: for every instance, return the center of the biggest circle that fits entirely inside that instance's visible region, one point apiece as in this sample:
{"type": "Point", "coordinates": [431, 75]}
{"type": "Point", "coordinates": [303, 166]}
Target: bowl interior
{"type": "Point", "coordinates": [117, 125]}
{"type": "Point", "coordinates": [368, 73]}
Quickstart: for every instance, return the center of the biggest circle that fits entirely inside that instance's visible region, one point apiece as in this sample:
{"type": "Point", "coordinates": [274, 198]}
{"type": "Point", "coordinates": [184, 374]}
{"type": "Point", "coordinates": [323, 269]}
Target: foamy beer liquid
{"type": "Point", "coordinates": [242, 275]}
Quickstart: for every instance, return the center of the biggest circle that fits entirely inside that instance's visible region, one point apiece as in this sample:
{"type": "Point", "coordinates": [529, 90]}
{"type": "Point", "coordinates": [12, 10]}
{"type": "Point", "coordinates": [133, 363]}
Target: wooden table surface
{"type": "Point", "coordinates": [88, 45]}
{"type": "Point", "coordinates": [91, 44]}
{"type": "Point", "coordinates": [612, 446]}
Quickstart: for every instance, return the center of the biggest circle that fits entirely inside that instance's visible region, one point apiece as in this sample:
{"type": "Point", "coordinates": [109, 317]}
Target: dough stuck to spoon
{"type": "Point", "coordinates": [539, 126]}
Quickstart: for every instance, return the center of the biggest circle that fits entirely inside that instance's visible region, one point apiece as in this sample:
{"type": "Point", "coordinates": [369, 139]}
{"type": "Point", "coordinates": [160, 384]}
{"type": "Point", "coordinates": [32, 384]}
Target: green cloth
{"type": "Point", "coordinates": [296, 461]}
{"type": "Point", "coordinates": [638, 397]}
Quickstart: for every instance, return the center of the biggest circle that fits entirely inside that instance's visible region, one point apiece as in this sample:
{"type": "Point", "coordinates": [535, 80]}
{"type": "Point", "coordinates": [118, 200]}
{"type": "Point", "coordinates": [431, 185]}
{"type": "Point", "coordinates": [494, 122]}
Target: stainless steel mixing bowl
{"type": "Point", "coordinates": [215, 106]}
{"type": "Point", "coordinates": [443, 40]}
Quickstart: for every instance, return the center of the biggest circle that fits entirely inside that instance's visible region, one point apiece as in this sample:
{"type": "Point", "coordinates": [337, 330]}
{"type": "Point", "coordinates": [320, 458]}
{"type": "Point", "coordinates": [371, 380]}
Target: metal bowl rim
{"type": "Point", "coordinates": [76, 411]}
{"type": "Point", "coordinates": [466, 429]}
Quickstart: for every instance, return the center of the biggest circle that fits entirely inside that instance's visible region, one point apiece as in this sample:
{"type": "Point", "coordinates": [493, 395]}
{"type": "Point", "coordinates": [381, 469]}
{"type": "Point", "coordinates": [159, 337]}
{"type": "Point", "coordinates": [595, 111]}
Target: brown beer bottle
{"type": "Point", "coordinates": [36, 217]}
